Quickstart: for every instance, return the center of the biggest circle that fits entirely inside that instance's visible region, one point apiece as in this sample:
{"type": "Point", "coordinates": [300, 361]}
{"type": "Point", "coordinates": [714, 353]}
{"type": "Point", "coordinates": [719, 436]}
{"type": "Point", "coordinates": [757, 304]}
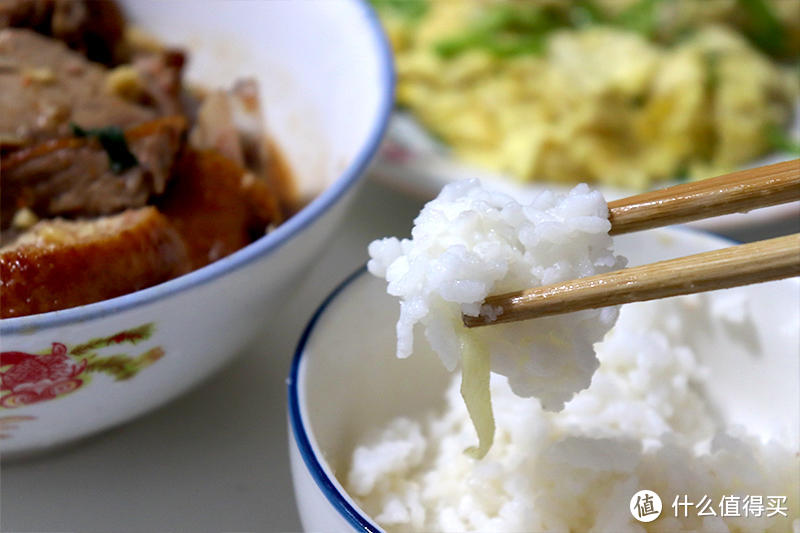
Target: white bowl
{"type": "Point", "coordinates": [346, 380]}
{"type": "Point", "coordinates": [327, 81]}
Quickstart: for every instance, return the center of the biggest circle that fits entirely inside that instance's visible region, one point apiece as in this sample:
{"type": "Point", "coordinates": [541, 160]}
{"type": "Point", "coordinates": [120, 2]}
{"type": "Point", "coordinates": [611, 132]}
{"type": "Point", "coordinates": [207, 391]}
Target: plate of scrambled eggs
{"type": "Point", "coordinates": [627, 95]}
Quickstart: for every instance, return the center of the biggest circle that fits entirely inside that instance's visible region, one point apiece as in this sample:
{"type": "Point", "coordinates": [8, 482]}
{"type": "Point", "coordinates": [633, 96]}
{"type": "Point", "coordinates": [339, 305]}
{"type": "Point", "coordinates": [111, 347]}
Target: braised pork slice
{"type": "Point", "coordinates": [59, 264]}
{"type": "Point", "coordinates": [159, 77]}
{"type": "Point", "coordinates": [74, 177]}
{"type": "Point", "coordinates": [45, 87]}
{"type": "Point", "coordinates": [216, 205]}
{"type": "Point", "coordinates": [92, 27]}
{"type": "Point", "coordinates": [232, 123]}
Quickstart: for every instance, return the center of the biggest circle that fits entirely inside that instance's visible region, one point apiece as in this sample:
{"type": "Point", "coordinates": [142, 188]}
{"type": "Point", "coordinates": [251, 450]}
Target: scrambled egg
{"type": "Point", "coordinates": [592, 103]}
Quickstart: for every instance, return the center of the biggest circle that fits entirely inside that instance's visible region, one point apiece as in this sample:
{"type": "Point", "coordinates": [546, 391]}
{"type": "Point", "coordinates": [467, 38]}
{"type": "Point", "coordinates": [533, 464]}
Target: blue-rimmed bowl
{"type": "Point", "coordinates": [326, 77]}
{"type": "Point", "coordinates": [345, 380]}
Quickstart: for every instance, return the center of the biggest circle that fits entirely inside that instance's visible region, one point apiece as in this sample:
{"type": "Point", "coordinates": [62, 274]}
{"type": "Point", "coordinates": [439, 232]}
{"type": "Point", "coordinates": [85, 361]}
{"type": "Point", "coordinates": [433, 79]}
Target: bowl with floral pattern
{"type": "Point", "coordinates": [328, 92]}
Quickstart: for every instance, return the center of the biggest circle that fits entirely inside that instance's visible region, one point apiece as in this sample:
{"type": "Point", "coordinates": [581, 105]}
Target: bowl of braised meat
{"type": "Point", "coordinates": [168, 174]}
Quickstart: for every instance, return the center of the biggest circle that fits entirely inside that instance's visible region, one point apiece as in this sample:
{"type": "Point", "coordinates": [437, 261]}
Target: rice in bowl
{"type": "Point", "coordinates": [565, 457]}
{"type": "Point", "coordinates": [645, 422]}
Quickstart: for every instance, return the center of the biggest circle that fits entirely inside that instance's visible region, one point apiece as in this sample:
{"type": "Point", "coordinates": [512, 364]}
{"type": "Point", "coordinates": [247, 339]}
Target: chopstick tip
{"type": "Point", "coordinates": [488, 314]}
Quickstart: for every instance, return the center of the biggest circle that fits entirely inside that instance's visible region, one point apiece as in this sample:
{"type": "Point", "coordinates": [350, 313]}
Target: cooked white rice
{"type": "Point", "coordinates": [471, 242]}
{"type": "Point", "coordinates": [643, 423]}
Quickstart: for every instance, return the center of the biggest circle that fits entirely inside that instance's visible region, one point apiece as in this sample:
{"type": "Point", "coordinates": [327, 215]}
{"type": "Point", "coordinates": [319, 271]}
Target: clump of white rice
{"type": "Point", "coordinates": [645, 422]}
{"type": "Point", "coordinates": [471, 242]}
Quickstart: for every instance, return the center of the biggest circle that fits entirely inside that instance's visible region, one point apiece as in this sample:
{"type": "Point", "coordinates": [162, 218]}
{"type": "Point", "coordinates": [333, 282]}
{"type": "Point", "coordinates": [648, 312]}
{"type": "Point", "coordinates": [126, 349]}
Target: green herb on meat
{"type": "Point", "coordinates": [112, 139]}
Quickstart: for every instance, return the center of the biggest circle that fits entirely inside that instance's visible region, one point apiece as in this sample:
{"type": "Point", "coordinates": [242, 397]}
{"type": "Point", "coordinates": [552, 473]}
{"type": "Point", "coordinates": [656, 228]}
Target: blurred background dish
{"type": "Point", "coordinates": [626, 95]}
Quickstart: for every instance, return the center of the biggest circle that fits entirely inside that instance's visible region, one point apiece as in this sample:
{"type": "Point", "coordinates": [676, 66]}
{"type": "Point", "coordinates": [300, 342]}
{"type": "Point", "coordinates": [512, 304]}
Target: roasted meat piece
{"type": "Point", "coordinates": [73, 177]}
{"type": "Point", "coordinates": [45, 87]}
{"type": "Point", "coordinates": [216, 205]}
{"type": "Point", "coordinates": [93, 27]}
{"type": "Point", "coordinates": [159, 76]}
{"type": "Point", "coordinates": [232, 123]}
{"type": "Point", "coordinates": [103, 192]}
{"type": "Point", "coordinates": [59, 264]}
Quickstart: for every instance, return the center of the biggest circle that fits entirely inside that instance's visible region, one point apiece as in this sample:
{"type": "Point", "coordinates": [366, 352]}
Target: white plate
{"type": "Point", "coordinates": [411, 161]}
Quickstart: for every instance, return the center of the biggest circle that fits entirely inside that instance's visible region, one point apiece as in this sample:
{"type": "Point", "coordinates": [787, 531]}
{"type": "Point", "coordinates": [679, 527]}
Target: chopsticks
{"type": "Point", "coordinates": [736, 192]}
{"type": "Point", "coordinates": [719, 269]}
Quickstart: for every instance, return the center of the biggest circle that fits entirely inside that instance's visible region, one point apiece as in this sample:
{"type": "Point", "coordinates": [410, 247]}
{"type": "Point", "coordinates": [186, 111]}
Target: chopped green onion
{"type": "Point", "coordinates": [641, 17]}
{"type": "Point", "coordinates": [409, 9]}
{"type": "Point", "coordinates": [505, 31]}
{"type": "Point", "coordinates": [765, 28]}
{"type": "Point", "coordinates": [585, 13]}
{"type": "Point", "coordinates": [781, 140]}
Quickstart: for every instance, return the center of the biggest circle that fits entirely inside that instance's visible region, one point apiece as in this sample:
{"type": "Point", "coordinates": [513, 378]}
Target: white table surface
{"type": "Point", "coordinates": [215, 459]}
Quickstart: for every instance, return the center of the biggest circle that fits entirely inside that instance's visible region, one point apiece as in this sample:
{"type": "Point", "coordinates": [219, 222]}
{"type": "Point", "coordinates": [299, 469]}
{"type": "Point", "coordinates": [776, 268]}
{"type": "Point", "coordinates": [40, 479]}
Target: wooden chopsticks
{"type": "Point", "coordinates": [730, 267]}
{"type": "Point", "coordinates": [736, 192]}
{"type": "Point", "coordinates": [719, 269]}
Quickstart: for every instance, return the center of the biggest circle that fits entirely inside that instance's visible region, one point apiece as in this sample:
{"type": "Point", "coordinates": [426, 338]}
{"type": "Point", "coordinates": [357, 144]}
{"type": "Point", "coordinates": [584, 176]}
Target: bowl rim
{"type": "Point", "coordinates": [265, 245]}
{"type": "Point", "coordinates": [345, 508]}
